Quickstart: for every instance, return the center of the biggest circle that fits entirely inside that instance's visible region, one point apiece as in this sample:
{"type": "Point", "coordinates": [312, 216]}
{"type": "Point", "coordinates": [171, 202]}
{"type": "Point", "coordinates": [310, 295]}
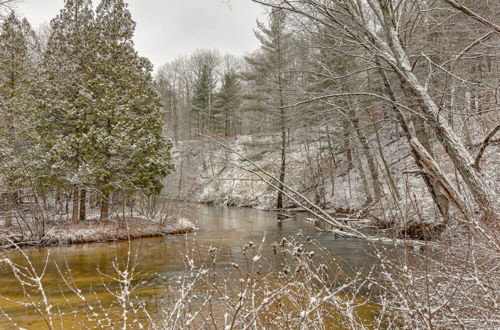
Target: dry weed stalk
{"type": "Point", "coordinates": [300, 286]}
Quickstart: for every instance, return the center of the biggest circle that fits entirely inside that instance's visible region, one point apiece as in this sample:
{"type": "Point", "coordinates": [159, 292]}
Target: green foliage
{"type": "Point", "coordinates": [269, 69]}
{"type": "Point", "coordinates": [202, 103]}
{"type": "Point", "coordinates": [66, 106]}
{"type": "Point", "coordinates": [227, 104]}
{"type": "Point", "coordinates": [93, 117]}
{"type": "Point", "coordinates": [129, 151]}
{"type": "Point", "coordinates": [17, 103]}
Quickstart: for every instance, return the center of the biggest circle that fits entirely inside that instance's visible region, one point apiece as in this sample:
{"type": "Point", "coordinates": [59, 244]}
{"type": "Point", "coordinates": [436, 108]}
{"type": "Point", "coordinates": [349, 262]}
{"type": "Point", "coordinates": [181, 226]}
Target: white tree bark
{"type": "Point", "coordinates": [375, 25]}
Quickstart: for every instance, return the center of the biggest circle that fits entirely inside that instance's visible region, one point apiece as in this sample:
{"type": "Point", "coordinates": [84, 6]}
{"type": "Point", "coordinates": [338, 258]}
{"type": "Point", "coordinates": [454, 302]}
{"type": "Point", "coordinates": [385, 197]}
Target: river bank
{"type": "Point", "coordinates": [215, 175]}
{"type": "Point", "coordinates": [241, 175]}
{"type": "Point", "coordinates": [92, 231]}
{"type": "Point", "coordinates": [231, 244]}
{"type": "Point", "coordinates": [263, 271]}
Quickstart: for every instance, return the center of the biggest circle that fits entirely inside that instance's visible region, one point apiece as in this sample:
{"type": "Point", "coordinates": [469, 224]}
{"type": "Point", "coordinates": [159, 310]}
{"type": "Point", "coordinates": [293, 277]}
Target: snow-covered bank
{"type": "Point", "coordinates": [210, 173]}
{"type": "Point", "coordinates": [93, 232]}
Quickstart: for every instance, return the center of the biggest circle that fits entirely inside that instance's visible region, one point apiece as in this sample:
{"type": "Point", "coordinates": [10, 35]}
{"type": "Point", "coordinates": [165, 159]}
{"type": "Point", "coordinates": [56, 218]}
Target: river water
{"type": "Point", "coordinates": [161, 260]}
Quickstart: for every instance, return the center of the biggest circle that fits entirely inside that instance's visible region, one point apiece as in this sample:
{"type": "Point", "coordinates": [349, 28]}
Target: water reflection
{"type": "Point", "coordinates": [161, 260]}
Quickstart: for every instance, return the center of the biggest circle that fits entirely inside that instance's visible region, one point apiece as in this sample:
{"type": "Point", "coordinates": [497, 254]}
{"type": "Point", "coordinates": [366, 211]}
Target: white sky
{"type": "Point", "coordinates": [167, 29]}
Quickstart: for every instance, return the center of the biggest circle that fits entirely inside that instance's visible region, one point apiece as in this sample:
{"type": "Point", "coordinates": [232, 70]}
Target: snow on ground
{"type": "Point", "coordinates": [94, 231]}
{"type": "Point", "coordinates": [226, 179]}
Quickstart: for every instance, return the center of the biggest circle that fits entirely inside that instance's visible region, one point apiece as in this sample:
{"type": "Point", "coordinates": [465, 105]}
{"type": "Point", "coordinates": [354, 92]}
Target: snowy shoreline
{"type": "Point", "coordinates": [92, 232]}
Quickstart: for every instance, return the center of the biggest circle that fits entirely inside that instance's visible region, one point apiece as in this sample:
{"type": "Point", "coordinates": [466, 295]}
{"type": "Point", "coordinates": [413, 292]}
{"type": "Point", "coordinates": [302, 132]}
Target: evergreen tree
{"type": "Point", "coordinates": [203, 99]}
{"type": "Point", "coordinates": [227, 104]}
{"type": "Point", "coordinates": [256, 97]}
{"type": "Point", "coordinates": [270, 72]}
{"type": "Point", "coordinates": [17, 103]}
{"type": "Point", "coordinates": [67, 104]}
{"type": "Point", "coordinates": [129, 152]}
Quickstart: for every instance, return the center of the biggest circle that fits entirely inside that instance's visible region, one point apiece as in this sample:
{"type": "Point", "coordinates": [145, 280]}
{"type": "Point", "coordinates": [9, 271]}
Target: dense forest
{"type": "Point", "coordinates": [384, 109]}
{"type": "Point", "coordinates": [79, 111]}
{"type": "Point", "coordinates": [375, 120]}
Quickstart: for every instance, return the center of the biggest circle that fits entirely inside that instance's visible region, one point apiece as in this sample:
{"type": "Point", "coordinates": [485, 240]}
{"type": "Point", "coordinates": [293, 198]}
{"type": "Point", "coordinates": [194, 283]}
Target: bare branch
{"type": "Point", "coordinates": [455, 4]}
{"type": "Point", "coordinates": [485, 144]}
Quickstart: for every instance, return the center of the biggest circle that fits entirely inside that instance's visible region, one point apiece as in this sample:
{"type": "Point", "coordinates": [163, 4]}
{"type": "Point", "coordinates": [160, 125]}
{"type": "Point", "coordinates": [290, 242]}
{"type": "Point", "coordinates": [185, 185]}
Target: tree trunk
{"type": "Point", "coordinates": [330, 146]}
{"type": "Point", "coordinates": [362, 174]}
{"type": "Point", "coordinates": [484, 195]}
{"type": "Point", "coordinates": [390, 177]}
{"type": "Point", "coordinates": [423, 138]}
{"type": "Point", "coordinates": [369, 157]}
{"type": "Point", "coordinates": [436, 194]}
{"type": "Point", "coordinates": [347, 144]}
{"type": "Point", "coordinates": [75, 214]}
{"type": "Point", "coordinates": [83, 204]}
{"type": "Point", "coordinates": [281, 184]}
{"type": "Point", "coordinates": [279, 203]}
{"type": "Point", "coordinates": [105, 206]}
{"type": "Point", "coordinates": [432, 169]}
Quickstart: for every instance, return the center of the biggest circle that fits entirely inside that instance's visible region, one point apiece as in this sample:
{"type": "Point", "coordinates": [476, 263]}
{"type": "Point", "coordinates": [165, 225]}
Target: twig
{"type": "Point", "coordinates": [485, 144]}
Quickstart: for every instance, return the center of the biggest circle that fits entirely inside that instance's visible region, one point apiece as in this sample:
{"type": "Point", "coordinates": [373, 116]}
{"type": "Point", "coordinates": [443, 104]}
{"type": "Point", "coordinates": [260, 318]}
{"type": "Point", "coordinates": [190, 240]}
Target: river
{"type": "Point", "coordinates": [161, 260]}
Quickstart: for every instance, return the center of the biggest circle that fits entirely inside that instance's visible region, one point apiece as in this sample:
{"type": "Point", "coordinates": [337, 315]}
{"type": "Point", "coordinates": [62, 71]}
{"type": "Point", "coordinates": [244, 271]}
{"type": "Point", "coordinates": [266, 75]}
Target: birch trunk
{"type": "Point", "coordinates": [485, 196]}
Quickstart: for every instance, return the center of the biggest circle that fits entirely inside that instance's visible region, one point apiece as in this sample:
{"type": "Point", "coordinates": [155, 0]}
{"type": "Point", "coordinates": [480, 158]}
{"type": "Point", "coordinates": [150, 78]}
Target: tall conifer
{"type": "Point", "coordinates": [67, 104]}
{"type": "Point", "coordinates": [129, 152]}
{"type": "Point", "coordinates": [227, 104]}
{"type": "Point", "coordinates": [203, 98]}
{"type": "Point", "coordinates": [17, 103]}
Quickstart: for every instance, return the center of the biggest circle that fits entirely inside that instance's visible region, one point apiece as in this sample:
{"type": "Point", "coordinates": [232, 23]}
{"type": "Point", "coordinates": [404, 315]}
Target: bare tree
{"type": "Point", "coordinates": [6, 5]}
{"type": "Point", "coordinates": [384, 30]}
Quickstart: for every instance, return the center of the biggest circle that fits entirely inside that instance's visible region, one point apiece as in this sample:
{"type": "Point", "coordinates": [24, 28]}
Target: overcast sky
{"type": "Point", "coordinates": [167, 29]}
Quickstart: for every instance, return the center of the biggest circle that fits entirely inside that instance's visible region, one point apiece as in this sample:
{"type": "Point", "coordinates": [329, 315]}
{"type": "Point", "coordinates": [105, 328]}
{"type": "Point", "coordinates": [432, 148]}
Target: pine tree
{"type": "Point", "coordinates": [64, 114]}
{"type": "Point", "coordinates": [227, 104]}
{"type": "Point", "coordinates": [270, 73]}
{"type": "Point", "coordinates": [17, 81]}
{"type": "Point", "coordinates": [202, 103]}
{"type": "Point", "coordinates": [129, 152]}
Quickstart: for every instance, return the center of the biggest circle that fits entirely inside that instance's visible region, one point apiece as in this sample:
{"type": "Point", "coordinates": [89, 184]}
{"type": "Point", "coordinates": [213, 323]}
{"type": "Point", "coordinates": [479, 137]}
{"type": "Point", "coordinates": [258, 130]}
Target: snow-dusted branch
{"type": "Point", "coordinates": [455, 4]}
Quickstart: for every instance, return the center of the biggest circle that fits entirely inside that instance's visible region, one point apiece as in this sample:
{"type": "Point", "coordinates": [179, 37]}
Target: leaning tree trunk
{"type": "Point", "coordinates": [439, 197]}
{"type": "Point", "coordinates": [431, 184]}
{"type": "Point", "coordinates": [485, 196]}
